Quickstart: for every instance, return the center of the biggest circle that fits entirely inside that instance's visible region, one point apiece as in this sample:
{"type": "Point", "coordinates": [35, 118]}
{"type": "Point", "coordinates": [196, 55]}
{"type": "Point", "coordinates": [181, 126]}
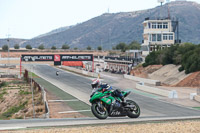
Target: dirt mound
{"type": "Point", "coordinates": [144, 71]}
{"type": "Point", "coordinates": [16, 100]}
{"type": "Point", "coordinates": [193, 80]}
{"type": "Point", "coordinates": [168, 75]}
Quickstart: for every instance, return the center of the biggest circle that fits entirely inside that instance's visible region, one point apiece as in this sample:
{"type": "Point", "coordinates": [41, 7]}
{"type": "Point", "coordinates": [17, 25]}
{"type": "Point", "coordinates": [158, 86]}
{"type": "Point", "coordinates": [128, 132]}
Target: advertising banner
{"type": "Point", "coordinates": [78, 57]}
{"type": "Point", "coordinates": [57, 57]}
{"type": "Point", "coordinates": [37, 57]}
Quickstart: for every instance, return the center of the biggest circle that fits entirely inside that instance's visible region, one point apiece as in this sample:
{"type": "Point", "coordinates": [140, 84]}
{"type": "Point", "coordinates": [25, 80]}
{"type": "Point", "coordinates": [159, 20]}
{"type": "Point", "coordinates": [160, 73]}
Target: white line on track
{"type": "Point", "coordinates": [65, 112]}
{"type": "Point", "coordinates": [8, 128]}
{"type": "Point", "coordinates": [63, 100]}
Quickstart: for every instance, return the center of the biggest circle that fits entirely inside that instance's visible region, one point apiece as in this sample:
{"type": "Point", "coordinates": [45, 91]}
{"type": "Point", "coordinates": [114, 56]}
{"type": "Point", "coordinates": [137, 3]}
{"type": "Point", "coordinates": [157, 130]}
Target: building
{"type": "Point", "coordinates": [120, 64]}
{"type": "Point", "coordinates": [158, 34]}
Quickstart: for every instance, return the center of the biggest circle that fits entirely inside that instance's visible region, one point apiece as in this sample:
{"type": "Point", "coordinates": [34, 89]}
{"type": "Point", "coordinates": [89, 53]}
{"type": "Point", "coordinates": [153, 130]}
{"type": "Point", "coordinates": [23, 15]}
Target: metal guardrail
{"type": "Point", "coordinates": [8, 76]}
{"type": "Point", "coordinates": [46, 104]}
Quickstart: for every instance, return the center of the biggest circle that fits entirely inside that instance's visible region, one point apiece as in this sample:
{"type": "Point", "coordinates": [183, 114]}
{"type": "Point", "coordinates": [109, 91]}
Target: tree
{"type": "Point", "coordinates": [134, 45]}
{"type": "Point", "coordinates": [16, 46]}
{"type": "Point", "coordinates": [75, 48]}
{"type": "Point", "coordinates": [99, 48]}
{"type": "Point", "coordinates": [187, 55]}
{"type": "Point", "coordinates": [65, 46]}
{"type": "Point", "coordinates": [121, 46]}
{"type": "Point", "coordinates": [53, 47]}
{"type": "Point", "coordinates": [113, 48]}
{"type": "Point", "coordinates": [41, 47]}
{"type": "Point", "coordinates": [5, 47]}
{"type": "Point", "coordinates": [28, 46]}
{"type": "Point", "coordinates": [89, 48]}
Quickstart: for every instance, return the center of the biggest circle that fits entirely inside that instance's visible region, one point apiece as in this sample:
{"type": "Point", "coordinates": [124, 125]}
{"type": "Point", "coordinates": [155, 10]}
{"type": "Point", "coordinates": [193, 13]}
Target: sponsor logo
{"type": "Point", "coordinates": [56, 57]}
{"type": "Point", "coordinates": [108, 101]}
{"type": "Point", "coordinates": [115, 113]}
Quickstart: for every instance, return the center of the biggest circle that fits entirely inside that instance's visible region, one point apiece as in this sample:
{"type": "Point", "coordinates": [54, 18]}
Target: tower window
{"type": "Point", "coordinates": [165, 25]}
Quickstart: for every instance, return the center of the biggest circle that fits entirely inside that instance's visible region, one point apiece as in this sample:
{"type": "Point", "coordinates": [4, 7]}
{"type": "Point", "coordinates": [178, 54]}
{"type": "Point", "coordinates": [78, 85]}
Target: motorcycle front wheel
{"type": "Point", "coordinates": [135, 111]}
{"type": "Point", "coordinates": [99, 112]}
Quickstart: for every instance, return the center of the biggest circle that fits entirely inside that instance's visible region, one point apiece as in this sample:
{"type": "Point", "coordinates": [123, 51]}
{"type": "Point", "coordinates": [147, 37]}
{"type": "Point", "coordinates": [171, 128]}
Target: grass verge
{"type": "Point", "coordinates": [196, 108]}
{"type": "Point", "coordinates": [75, 105]}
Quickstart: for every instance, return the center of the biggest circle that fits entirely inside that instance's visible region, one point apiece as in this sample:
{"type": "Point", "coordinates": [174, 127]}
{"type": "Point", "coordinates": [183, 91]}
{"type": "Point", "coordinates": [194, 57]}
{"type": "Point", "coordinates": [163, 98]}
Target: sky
{"type": "Point", "coordinates": [29, 18]}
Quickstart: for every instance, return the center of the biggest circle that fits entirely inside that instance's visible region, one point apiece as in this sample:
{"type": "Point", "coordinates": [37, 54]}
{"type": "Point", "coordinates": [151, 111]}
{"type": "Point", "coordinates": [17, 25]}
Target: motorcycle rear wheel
{"type": "Point", "coordinates": [99, 112]}
{"type": "Point", "coordinates": [135, 112]}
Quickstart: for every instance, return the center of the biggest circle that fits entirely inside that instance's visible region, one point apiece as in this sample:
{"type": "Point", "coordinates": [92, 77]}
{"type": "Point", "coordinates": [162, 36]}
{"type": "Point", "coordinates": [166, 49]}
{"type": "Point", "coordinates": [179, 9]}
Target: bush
{"type": "Point", "coordinates": [180, 69]}
{"type": "Point", "coordinates": [99, 48]}
{"type": "Point", "coordinates": [41, 47]}
{"type": "Point", "coordinates": [3, 84]}
{"type": "Point", "coordinates": [144, 65]}
{"type": "Point", "coordinates": [65, 46]}
{"type": "Point", "coordinates": [89, 48]}
{"type": "Point", "coordinates": [5, 47]}
{"type": "Point", "coordinates": [53, 47]}
{"type": "Point", "coordinates": [28, 46]}
{"type": "Point", "coordinates": [16, 46]}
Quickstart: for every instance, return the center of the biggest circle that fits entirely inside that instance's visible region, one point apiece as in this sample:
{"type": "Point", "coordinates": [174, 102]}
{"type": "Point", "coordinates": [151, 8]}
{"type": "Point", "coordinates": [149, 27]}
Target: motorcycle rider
{"type": "Point", "coordinates": [96, 84]}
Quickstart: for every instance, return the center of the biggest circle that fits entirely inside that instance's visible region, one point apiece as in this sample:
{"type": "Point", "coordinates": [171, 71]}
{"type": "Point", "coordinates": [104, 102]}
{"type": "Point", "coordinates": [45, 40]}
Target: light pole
{"type": "Point", "coordinates": [8, 54]}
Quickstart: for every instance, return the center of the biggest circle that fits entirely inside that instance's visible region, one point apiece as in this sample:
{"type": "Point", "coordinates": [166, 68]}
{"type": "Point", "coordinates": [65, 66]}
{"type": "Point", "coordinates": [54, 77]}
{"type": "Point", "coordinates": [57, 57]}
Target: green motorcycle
{"type": "Point", "coordinates": [105, 104]}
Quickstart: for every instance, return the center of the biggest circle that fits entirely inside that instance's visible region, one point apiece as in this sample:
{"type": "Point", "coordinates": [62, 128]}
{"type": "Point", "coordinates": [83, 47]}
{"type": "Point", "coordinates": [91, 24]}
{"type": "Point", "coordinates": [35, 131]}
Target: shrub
{"type": "Point", "coordinates": [53, 47]}
{"type": "Point", "coordinates": [65, 46]}
{"type": "Point", "coordinates": [180, 69]}
{"type": "Point", "coordinates": [28, 46]}
{"type": "Point", "coordinates": [5, 47]}
{"type": "Point", "coordinates": [3, 84]}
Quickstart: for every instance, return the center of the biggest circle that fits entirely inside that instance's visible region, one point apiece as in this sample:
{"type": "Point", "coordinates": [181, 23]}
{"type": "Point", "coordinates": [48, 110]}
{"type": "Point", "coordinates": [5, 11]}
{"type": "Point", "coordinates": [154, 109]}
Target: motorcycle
{"type": "Point", "coordinates": [103, 100]}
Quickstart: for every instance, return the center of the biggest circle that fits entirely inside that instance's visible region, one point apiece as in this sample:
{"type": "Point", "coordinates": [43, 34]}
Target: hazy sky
{"type": "Point", "coordinates": [30, 18]}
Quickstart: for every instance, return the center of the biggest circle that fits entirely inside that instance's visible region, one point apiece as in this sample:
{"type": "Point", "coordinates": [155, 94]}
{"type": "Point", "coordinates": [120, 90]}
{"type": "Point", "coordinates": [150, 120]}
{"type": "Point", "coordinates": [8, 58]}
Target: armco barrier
{"type": "Point", "coordinates": [149, 81]}
{"type": "Point", "coordinates": [46, 105]}
{"type": "Point", "coordinates": [81, 71]}
{"type": "Point", "coordinates": [157, 91]}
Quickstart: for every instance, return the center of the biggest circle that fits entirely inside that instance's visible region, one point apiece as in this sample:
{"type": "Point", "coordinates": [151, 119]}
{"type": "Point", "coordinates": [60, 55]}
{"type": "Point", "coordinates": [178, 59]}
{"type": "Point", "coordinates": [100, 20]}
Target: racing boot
{"type": "Point", "coordinates": [123, 102]}
{"type": "Point", "coordinates": [111, 107]}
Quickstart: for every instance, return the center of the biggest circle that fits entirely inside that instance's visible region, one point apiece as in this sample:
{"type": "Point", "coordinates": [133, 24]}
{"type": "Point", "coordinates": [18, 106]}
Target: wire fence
{"type": "Point", "coordinates": [38, 88]}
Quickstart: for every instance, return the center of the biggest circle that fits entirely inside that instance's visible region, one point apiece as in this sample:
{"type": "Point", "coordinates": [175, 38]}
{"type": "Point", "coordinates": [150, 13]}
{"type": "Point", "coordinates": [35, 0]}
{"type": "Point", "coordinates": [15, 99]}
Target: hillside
{"type": "Point", "coordinates": [12, 41]}
{"type": "Point", "coordinates": [110, 29]}
{"type": "Point", "coordinates": [54, 31]}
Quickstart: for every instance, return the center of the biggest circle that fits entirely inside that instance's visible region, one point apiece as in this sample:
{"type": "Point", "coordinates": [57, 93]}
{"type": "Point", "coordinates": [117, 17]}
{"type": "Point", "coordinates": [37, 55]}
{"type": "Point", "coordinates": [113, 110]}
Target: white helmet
{"type": "Point", "coordinates": [95, 83]}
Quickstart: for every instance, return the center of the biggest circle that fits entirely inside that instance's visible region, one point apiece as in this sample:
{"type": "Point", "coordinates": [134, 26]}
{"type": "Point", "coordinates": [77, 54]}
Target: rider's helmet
{"type": "Point", "coordinates": [95, 83]}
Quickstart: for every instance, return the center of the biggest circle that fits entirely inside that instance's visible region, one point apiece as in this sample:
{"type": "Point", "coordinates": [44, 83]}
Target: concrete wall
{"type": "Point", "coordinates": [81, 71]}
{"type": "Point", "coordinates": [170, 94]}
{"type": "Point", "coordinates": [197, 98]}
{"type": "Point", "coordinates": [149, 81]}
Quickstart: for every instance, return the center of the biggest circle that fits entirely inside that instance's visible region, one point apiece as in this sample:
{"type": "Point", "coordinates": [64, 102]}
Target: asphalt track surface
{"type": "Point", "coordinates": [151, 109]}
